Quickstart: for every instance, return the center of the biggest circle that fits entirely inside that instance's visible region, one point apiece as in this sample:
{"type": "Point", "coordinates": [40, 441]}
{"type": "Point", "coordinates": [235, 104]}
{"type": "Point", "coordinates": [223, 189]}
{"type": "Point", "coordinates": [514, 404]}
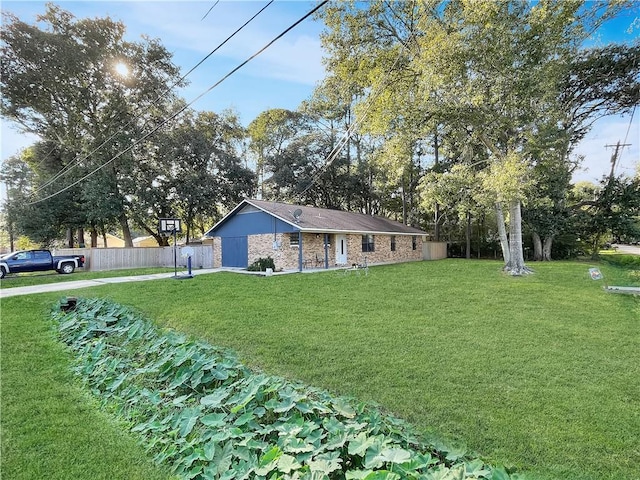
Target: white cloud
{"type": "Point", "coordinates": [296, 57]}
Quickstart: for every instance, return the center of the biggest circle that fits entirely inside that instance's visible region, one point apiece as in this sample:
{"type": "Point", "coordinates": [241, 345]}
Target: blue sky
{"type": "Point", "coordinates": [285, 74]}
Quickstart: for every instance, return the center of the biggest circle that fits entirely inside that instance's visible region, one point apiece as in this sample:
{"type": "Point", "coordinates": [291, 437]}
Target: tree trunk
{"type": "Point", "coordinates": [126, 233]}
{"type": "Point", "coordinates": [546, 249]}
{"type": "Point", "coordinates": [468, 236]}
{"type": "Point", "coordinates": [94, 237]}
{"type": "Point", "coordinates": [103, 232]}
{"type": "Point", "coordinates": [436, 219]}
{"type": "Point", "coordinates": [81, 242]}
{"type": "Point", "coordinates": [69, 238]}
{"type": "Point", "coordinates": [537, 247]}
{"type": "Point", "coordinates": [404, 203]}
{"type": "Point", "coordinates": [502, 231]}
{"type": "Point", "coordinates": [480, 230]}
{"type": "Point", "coordinates": [436, 151]}
{"type": "Point", "coordinates": [11, 237]}
{"type": "Point", "coordinates": [516, 265]}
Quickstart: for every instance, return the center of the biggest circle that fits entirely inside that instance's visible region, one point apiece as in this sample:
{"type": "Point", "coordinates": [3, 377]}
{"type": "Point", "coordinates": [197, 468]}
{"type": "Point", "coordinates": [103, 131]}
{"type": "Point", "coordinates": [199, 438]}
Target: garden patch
{"type": "Point", "coordinates": [199, 410]}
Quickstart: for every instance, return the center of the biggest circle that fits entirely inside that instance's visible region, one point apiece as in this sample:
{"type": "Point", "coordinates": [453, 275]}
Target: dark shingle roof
{"type": "Point", "coordinates": [318, 220]}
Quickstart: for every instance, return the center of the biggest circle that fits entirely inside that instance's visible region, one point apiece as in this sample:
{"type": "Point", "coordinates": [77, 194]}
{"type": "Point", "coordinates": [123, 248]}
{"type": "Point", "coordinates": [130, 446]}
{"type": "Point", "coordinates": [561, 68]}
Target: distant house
{"type": "Point", "coordinates": [145, 242]}
{"type": "Point", "coordinates": [112, 241]}
{"type": "Point", "coordinates": [299, 237]}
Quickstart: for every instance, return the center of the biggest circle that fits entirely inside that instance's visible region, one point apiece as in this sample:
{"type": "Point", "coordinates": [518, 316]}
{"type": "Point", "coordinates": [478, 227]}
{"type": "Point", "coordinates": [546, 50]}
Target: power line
{"type": "Point", "coordinates": [209, 11]}
{"type": "Point", "coordinates": [172, 117]}
{"type": "Point", "coordinates": [616, 154]}
{"type": "Point", "coordinates": [347, 135]}
{"type": "Point", "coordinates": [72, 164]}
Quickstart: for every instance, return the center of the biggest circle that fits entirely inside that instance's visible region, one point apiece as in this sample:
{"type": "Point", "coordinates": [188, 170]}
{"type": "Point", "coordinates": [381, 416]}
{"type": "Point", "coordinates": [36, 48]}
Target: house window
{"type": "Point", "coordinates": [294, 239]}
{"type": "Point", "coordinates": [368, 244]}
{"type": "Point", "coordinates": [393, 243]}
{"type": "Point", "coordinates": [414, 242]}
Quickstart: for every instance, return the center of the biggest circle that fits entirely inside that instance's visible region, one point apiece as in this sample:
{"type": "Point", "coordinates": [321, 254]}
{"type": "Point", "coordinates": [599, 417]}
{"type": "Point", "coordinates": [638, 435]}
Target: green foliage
{"type": "Point", "coordinates": [548, 387]}
{"type": "Point", "coordinates": [262, 264]}
{"type": "Point", "coordinates": [621, 260]}
{"type": "Point", "coordinates": [51, 428]}
{"type": "Point", "coordinates": [198, 409]}
{"type": "Point", "coordinates": [611, 209]}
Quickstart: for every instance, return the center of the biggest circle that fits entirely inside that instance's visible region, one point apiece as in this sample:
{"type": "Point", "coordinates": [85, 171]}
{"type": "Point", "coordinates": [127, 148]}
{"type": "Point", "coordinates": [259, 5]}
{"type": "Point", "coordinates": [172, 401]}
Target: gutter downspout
{"type": "Point", "coordinates": [326, 251]}
{"type": "Point", "coordinates": [299, 251]}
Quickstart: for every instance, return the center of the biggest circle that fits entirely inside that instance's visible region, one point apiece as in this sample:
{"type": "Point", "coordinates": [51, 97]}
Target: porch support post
{"type": "Point", "coordinates": [299, 251]}
{"type": "Point", "coordinates": [326, 250]}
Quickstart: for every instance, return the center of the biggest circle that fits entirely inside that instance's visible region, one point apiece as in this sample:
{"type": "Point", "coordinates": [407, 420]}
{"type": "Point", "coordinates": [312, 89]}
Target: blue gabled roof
{"type": "Point", "coordinates": [319, 220]}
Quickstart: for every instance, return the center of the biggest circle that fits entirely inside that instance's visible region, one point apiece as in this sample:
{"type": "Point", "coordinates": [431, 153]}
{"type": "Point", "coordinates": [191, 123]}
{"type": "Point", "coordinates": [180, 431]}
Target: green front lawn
{"type": "Point", "coordinates": [40, 278]}
{"type": "Point", "coordinates": [51, 427]}
{"type": "Point", "coordinates": [541, 372]}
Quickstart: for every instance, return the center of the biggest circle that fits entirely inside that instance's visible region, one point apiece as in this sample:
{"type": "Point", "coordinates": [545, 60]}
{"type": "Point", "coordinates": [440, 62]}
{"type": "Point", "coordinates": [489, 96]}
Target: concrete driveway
{"type": "Point", "coordinates": [73, 285]}
{"type": "Point", "coordinates": [628, 249]}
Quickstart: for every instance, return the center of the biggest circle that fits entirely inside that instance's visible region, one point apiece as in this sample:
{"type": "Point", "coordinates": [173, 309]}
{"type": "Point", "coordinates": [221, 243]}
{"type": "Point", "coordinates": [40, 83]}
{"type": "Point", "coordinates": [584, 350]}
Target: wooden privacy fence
{"type": "Point", "coordinates": [98, 259]}
{"type": "Point", "coordinates": [434, 250]}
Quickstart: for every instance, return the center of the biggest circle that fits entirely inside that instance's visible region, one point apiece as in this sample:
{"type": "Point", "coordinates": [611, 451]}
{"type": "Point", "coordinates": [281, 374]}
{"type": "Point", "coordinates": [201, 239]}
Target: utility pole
{"type": "Point", "coordinates": [616, 153]}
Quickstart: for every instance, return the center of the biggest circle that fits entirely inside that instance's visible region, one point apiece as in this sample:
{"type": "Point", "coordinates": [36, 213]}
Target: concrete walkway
{"type": "Point", "coordinates": [60, 286]}
{"type": "Point", "coordinates": [73, 285]}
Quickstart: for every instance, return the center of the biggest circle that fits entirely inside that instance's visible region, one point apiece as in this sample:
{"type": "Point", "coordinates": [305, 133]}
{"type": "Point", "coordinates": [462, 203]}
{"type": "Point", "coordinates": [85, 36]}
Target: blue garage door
{"type": "Point", "coordinates": [235, 252]}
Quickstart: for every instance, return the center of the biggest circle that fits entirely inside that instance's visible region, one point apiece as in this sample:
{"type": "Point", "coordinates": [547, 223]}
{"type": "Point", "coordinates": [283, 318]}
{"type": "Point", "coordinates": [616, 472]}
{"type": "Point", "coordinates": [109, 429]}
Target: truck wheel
{"type": "Point", "coordinates": [67, 268]}
{"type": "Point", "coordinates": [3, 272]}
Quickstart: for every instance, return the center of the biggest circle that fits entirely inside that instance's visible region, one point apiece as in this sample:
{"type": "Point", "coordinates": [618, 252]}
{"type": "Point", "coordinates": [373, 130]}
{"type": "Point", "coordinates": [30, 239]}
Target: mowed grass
{"type": "Point", "coordinates": [51, 427]}
{"type": "Point", "coordinates": [41, 278]}
{"type": "Point", "coordinates": [540, 372]}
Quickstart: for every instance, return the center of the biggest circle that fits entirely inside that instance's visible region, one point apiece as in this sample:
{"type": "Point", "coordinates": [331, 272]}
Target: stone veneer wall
{"type": "Point", "coordinates": [383, 254]}
{"type": "Point", "coordinates": [285, 256]}
{"type": "Point", "coordinates": [217, 252]}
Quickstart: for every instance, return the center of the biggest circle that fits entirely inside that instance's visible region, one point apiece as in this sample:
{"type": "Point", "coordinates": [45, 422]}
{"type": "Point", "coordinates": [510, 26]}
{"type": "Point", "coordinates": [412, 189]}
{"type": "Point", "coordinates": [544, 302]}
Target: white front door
{"type": "Point", "coordinates": [341, 249]}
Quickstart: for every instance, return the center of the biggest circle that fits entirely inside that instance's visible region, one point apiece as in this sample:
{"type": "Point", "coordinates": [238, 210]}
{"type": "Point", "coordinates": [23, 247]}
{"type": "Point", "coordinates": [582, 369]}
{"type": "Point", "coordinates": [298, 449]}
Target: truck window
{"type": "Point", "coordinates": [23, 256]}
{"type": "Point", "coordinates": [42, 256]}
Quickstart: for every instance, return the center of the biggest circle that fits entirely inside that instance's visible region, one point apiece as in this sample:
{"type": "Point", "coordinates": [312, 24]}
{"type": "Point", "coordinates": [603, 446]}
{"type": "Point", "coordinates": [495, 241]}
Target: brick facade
{"type": "Point", "coordinates": [285, 253]}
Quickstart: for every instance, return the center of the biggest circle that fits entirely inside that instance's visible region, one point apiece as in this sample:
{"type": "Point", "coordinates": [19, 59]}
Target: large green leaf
{"type": "Point", "coordinates": [382, 475]}
{"type": "Point", "coordinates": [268, 461]}
{"type": "Point", "coordinates": [287, 463]}
{"type": "Point", "coordinates": [395, 455]}
{"type": "Point", "coordinates": [326, 462]}
{"type": "Point", "coordinates": [214, 420]}
{"type": "Point", "coordinates": [210, 450]}
{"type": "Point", "coordinates": [190, 417]}
{"type": "Point", "coordinates": [216, 398]}
{"type": "Point", "coordinates": [359, 445]}
{"type": "Point", "coordinates": [343, 408]}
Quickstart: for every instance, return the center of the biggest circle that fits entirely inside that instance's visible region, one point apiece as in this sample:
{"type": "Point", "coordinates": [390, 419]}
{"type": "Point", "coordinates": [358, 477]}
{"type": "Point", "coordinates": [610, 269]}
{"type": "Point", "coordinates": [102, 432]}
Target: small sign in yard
{"type": "Point", "coordinates": [595, 274]}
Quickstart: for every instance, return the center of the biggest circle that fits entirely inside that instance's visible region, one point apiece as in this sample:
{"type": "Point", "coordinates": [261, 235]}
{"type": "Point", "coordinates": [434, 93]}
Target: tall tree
{"type": "Point", "coordinates": [492, 69]}
{"type": "Point", "coordinates": [597, 82]}
{"type": "Point", "coordinates": [59, 81]}
{"type": "Point", "coordinates": [193, 171]}
{"type": "Point", "coordinates": [269, 135]}
{"type": "Point", "coordinates": [371, 51]}
{"type": "Point", "coordinates": [610, 209]}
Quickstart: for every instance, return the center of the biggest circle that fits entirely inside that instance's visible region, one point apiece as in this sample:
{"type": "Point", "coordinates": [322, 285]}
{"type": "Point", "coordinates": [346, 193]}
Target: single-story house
{"type": "Point", "coordinates": [298, 237]}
